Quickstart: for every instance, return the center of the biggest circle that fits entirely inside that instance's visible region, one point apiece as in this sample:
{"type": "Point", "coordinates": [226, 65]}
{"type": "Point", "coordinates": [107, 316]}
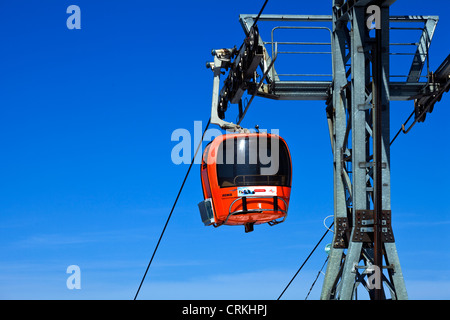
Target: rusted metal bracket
{"type": "Point", "coordinates": [342, 233]}
{"type": "Point", "coordinates": [364, 226]}
{"type": "Point", "coordinates": [363, 229]}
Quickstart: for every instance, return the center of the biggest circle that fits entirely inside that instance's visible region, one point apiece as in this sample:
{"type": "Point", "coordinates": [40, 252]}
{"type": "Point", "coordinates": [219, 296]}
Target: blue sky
{"type": "Point", "coordinates": [86, 176]}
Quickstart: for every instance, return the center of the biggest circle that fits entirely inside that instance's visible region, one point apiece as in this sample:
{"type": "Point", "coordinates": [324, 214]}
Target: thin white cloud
{"type": "Point", "coordinates": [64, 239]}
{"type": "Point", "coordinates": [428, 290]}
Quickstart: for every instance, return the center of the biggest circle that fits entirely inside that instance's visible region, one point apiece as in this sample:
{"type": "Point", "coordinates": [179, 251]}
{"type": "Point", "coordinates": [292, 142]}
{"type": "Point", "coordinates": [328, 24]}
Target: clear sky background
{"type": "Point", "coordinates": [86, 176]}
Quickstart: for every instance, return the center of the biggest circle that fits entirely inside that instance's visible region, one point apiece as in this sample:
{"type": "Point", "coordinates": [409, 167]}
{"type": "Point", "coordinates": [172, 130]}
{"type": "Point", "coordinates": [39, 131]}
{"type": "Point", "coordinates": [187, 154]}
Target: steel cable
{"type": "Point", "coordinates": [306, 260]}
{"type": "Point", "coordinates": [184, 181]}
{"type": "Point", "coordinates": [173, 207]}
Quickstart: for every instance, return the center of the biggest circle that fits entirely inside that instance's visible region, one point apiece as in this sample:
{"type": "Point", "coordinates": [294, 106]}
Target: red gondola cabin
{"type": "Point", "coordinates": [246, 180]}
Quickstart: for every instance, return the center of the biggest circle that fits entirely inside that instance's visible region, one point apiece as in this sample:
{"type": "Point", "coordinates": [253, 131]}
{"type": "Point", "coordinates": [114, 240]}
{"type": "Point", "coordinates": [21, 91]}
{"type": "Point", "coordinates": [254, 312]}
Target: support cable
{"type": "Point", "coordinates": [307, 258]}
{"type": "Point", "coordinates": [173, 207]}
{"type": "Point", "coordinates": [318, 274]}
{"type": "Point", "coordinates": [241, 116]}
{"type": "Point", "coordinates": [185, 178]}
{"type": "Point", "coordinates": [403, 127]}
{"type": "Point", "coordinates": [259, 14]}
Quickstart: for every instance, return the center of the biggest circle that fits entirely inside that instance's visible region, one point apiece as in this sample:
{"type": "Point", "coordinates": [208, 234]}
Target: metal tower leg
{"type": "Point", "coordinates": [336, 113]}
{"type": "Point", "coordinates": [391, 255]}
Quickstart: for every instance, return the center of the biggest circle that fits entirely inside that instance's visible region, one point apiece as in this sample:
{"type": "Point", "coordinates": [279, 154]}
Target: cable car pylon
{"type": "Point", "coordinates": [358, 97]}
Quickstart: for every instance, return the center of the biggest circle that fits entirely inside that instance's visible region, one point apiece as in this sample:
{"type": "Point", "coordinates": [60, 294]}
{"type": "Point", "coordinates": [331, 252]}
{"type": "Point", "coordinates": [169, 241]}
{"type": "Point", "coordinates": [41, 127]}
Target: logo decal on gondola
{"type": "Point", "coordinates": [257, 191]}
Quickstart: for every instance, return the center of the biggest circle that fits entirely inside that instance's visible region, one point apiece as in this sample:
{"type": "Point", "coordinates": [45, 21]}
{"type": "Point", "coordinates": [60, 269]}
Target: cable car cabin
{"type": "Point", "coordinates": [246, 180]}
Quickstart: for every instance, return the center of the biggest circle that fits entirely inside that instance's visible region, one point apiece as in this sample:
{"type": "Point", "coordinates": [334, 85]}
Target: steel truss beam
{"type": "Point", "coordinates": [319, 90]}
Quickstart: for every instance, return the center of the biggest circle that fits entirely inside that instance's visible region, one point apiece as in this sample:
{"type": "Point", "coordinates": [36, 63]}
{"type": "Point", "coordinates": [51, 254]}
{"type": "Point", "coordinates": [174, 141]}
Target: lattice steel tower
{"type": "Point", "coordinates": [358, 109]}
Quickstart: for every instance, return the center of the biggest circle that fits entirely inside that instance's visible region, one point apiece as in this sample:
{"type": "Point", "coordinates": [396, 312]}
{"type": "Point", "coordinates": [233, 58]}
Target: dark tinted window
{"type": "Point", "coordinates": [250, 161]}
